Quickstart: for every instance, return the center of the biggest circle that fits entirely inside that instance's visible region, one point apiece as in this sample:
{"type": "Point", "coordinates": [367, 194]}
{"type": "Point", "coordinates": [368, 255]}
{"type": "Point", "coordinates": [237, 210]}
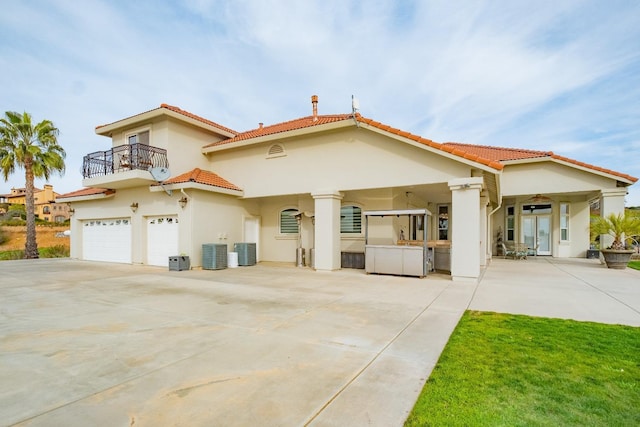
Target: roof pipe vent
{"type": "Point", "coordinates": [314, 103]}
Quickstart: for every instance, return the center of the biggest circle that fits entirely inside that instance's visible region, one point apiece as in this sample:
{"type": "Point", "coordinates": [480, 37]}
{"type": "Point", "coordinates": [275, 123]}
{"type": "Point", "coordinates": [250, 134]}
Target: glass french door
{"type": "Point", "coordinates": [536, 232]}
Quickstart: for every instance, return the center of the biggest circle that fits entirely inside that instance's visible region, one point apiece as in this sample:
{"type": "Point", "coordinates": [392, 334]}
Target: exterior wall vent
{"type": "Point", "coordinates": [276, 150]}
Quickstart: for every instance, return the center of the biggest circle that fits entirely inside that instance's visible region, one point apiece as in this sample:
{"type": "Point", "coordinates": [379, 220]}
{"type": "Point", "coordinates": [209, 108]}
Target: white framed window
{"type": "Point", "coordinates": [510, 223]}
{"type": "Point", "coordinates": [289, 222]}
{"type": "Point", "coordinates": [141, 137]}
{"type": "Point", "coordinates": [564, 221]}
{"type": "Point", "coordinates": [350, 219]}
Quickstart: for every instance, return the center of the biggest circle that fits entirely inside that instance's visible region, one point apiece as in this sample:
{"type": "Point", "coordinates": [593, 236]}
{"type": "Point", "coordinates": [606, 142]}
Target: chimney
{"type": "Point", "coordinates": [260, 125]}
{"type": "Point", "coordinates": [314, 102]}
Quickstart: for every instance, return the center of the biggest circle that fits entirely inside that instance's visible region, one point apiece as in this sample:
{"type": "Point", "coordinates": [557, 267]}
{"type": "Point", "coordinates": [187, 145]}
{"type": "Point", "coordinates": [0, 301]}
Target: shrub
{"type": "Point", "coordinates": [58, 251]}
{"type": "Point", "coordinates": [14, 222]}
{"type": "Point", "coordinates": [9, 255]}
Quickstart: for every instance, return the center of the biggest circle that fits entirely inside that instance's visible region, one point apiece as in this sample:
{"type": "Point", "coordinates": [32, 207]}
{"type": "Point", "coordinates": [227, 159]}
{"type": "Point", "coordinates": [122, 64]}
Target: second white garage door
{"type": "Point", "coordinates": [162, 239]}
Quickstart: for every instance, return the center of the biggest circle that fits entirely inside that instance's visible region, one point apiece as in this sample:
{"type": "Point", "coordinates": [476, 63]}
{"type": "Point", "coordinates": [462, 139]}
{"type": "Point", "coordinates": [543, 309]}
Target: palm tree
{"type": "Point", "coordinates": [621, 227]}
{"type": "Point", "coordinates": [35, 149]}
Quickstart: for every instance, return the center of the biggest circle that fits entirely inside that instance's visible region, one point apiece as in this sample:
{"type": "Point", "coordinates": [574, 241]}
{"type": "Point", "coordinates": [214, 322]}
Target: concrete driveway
{"type": "Point", "coordinates": [118, 345]}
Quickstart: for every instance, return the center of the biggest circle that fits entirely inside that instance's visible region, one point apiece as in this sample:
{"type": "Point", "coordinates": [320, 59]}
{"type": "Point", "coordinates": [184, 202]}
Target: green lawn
{"type": "Point", "coordinates": [634, 264]}
{"type": "Point", "coordinates": [509, 370]}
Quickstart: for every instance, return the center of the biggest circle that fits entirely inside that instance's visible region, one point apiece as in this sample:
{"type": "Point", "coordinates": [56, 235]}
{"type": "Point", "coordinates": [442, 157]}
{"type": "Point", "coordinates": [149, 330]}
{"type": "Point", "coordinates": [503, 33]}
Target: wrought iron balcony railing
{"type": "Point", "coordinates": [123, 158]}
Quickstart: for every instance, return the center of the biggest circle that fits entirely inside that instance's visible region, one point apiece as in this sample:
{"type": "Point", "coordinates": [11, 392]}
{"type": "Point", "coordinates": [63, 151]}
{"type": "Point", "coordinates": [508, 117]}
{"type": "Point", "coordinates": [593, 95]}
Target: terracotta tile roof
{"type": "Point", "coordinates": [86, 192]}
{"type": "Point", "coordinates": [486, 155]}
{"type": "Point", "coordinates": [179, 111]}
{"type": "Point", "coordinates": [505, 154]}
{"type": "Point", "coordinates": [202, 177]}
{"type": "Point", "coordinates": [301, 123]}
{"type": "Point", "coordinates": [309, 121]}
{"type": "Point", "coordinates": [198, 118]}
{"type": "Point", "coordinates": [499, 153]}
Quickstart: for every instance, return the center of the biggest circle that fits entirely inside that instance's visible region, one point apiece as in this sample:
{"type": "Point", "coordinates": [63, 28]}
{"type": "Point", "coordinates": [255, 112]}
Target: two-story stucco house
{"type": "Point", "coordinates": [307, 182]}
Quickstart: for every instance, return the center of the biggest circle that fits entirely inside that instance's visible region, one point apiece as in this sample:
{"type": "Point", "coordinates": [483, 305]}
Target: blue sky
{"type": "Point", "coordinates": [561, 76]}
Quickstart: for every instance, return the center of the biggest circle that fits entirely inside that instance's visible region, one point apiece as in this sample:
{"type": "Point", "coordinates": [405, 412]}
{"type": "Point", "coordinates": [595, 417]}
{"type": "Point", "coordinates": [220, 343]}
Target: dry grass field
{"type": "Point", "coordinates": [46, 237]}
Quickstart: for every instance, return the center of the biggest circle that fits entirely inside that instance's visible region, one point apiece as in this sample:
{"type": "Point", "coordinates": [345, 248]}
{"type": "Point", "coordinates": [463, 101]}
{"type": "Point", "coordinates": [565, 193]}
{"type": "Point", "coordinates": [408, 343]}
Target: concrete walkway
{"type": "Point", "coordinates": [118, 345]}
{"type": "Point", "coordinates": [579, 289]}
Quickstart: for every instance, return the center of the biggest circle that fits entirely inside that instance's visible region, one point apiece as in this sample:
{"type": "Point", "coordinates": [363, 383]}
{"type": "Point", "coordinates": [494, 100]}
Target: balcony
{"type": "Point", "coordinates": [122, 166]}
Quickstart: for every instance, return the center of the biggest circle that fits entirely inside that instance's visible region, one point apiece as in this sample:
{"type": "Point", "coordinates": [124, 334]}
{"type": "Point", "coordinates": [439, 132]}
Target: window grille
{"type": "Point", "coordinates": [288, 222]}
{"type": "Point", "coordinates": [350, 219]}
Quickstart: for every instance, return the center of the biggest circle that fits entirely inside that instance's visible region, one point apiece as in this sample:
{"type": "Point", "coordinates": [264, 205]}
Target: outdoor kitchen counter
{"type": "Point", "coordinates": [402, 260]}
{"type": "Point", "coordinates": [439, 252]}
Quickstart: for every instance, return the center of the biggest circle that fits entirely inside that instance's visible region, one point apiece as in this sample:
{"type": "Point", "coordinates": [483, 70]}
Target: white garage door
{"type": "Point", "coordinates": [107, 240]}
{"type": "Point", "coordinates": [162, 239]}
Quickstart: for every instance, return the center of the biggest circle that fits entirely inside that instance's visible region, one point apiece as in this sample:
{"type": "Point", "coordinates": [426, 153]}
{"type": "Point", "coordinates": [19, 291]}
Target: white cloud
{"type": "Point", "coordinates": [544, 75]}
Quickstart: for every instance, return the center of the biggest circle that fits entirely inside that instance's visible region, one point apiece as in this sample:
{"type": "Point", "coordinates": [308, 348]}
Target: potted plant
{"type": "Point", "coordinates": [621, 227]}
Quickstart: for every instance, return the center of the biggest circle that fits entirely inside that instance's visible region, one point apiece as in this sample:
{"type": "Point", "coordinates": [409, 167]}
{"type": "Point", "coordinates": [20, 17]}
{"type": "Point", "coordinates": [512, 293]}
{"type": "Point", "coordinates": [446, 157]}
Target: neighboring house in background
{"type": "Point", "coordinates": [46, 207]}
{"type": "Point", "coordinates": [307, 181]}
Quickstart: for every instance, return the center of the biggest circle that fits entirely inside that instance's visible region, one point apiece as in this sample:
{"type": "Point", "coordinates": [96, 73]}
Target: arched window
{"type": "Point", "coordinates": [288, 221]}
{"type": "Point", "coordinates": [45, 210]}
{"type": "Point", "coordinates": [350, 219]}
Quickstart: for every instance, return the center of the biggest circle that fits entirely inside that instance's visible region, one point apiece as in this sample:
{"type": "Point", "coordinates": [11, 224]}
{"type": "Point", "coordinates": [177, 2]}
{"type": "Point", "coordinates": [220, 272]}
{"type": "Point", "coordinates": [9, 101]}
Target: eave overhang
{"type": "Point", "coordinates": [196, 186]}
{"type": "Point", "coordinates": [85, 198]}
{"type": "Point", "coordinates": [108, 129]}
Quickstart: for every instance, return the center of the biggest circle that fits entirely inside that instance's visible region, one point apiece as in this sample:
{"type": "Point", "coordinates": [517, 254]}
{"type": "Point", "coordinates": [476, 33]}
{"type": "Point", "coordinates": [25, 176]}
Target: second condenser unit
{"type": "Point", "coordinates": [214, 256]}
{"type": "Point", "coordinates": [246, 253]}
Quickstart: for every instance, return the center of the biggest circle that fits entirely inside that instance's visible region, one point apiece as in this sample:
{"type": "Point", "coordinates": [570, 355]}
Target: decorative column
{"type": "Point", "coordinates": [465, 228]}
{"type": "Point", "coordinates": [327, 229]}
{"type": "Point", "coordinates": [611, 202]}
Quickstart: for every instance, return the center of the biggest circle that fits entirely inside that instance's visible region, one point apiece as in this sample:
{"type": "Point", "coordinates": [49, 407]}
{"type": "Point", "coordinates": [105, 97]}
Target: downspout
{"type": "Point", "coordinates": [499, 196]}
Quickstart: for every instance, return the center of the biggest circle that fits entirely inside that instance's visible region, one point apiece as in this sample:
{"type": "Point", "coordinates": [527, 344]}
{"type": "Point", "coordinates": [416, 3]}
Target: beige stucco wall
{"type": "Point", "coordinates": [184, 148]}
{"type": "Point", "coordinates": [213, 218]}
{"type": "Point", "coordinates": [342, 160]}
{"type": "Point", "coordinates": [550, 178]}
{"type": "Point", "coordinates": [275, 246]}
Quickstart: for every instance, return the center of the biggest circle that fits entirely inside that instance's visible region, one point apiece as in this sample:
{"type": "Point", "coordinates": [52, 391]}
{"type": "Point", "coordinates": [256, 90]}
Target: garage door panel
{"type": "Point", "coordinates": [107, 240]}
{"type": "Point", "coordinates": [162, 239]}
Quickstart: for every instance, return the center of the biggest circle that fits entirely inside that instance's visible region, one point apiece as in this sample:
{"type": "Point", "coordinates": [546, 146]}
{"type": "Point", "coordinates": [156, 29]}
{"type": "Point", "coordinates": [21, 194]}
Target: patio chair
{"type": "Point", "coordinates": [507, 252]}
{"type": "Point", "coordinates": [517, 251]}
{"type": "Point", "coordinates": [123, 162]}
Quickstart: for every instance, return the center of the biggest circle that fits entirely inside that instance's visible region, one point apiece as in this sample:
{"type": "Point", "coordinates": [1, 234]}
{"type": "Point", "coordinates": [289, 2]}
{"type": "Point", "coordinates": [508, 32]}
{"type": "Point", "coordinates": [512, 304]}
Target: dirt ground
{"type": "Point", "coordinates": [46, 237]}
